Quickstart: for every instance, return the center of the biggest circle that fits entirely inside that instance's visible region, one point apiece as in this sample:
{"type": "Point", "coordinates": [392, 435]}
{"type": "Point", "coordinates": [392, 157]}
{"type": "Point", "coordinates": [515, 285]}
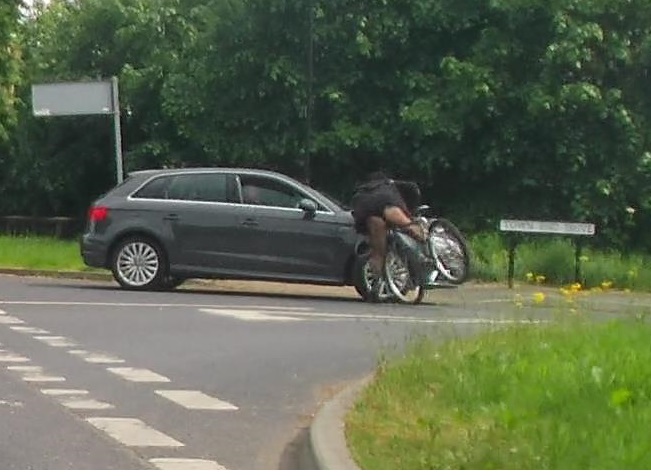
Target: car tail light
{"type": "Point", "coordinates": [97, 214]}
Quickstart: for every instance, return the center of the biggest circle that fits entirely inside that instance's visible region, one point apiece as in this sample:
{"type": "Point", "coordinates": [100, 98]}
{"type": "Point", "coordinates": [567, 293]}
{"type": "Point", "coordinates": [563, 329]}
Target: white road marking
{"type": "Point", "coordinates": [63, 391]}
{"type": "Point", "coordinates": [133, 432]}
{"type": "Point", "coordinates": [4, 319]}
{"type": "Point", "coordinates": [195, 400]}
{"type": "Point", "coordinates": [96, 358]}
{"type": "Point", "coordinates": [7, 403]}
{"type": "Point", "coordinates": [185, 464]}
{"type": "Point", "coordinates": [76, 399]}
{"type": "Point", "coordinates": [79, 403]}
{"type": "Point", "coordinates": [25, 368]}
{"type": "Point", "coordinates": [2, 313]}
{"type": "Point", "coordinates": [250, 315]}
{"type": "Point", "coordinates": [11, 357]}
{"type": "Point", "coordinates": [28, 330]}
{"type": "Point", "coordinates": [102, 359]}
{"type": "Point", "coordinates": [43, 378]}
{"type": "Point", "coordinates": [328, 316]}
{"type": "Point", "coordinates": [159, 305]}
{"type": "Point", "coordinates": [31, 373]}
{"type": "Point", "coordinates": [137, 375]}
{"type": "Point", "coordinates": [56, 341]}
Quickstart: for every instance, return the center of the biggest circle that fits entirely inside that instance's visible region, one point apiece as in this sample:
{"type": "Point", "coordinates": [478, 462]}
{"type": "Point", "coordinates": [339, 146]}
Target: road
{"type": "Point", "coordinates": [93, 377]}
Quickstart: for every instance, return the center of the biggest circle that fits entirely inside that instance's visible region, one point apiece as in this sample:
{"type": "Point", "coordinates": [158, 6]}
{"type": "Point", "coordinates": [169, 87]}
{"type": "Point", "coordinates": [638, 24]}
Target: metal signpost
{"type": "Point", "coordinates": [547, 227]}
{"type": "Point", "coordinates": [82, 98]}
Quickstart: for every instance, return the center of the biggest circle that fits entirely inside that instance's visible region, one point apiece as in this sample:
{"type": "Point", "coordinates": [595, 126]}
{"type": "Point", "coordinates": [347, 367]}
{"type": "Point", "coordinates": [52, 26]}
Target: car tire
{"type": "Point", "coordinates": [361, 283]}
{"type": "Point", "coordinates": [139, 263]}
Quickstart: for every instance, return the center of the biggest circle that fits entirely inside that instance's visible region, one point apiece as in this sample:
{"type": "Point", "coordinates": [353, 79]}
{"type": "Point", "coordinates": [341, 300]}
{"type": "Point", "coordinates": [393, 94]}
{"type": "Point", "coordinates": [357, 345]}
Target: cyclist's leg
{"type": "Point", "coordinates": [377, 240]}
{"type": "Point", "coordinates": [397, 217]}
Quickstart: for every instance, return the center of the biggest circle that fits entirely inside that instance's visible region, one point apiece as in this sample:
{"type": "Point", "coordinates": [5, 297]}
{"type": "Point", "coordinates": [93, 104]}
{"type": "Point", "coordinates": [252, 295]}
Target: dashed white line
{"type": "Point", "coordinates": [75, 399]}
{"type": "Point", "coordinates": [79, 403]}
{"type": "Point", "coordinates": [28, 330]}
{"type": "Point", "coordinates": [78, 352]}
{"type": "Point", "coordinates": [63, 391]}
{"type": "Point", "coordinates": [133, 432]}
{"type": "Point", "coordinates": [25, 368]}
{"type": "Point", "coordinates": [195, 400]}
{"type": "Point", "coordinates": [56, 341]}
{"type": "Point", "coordinates": [32, 373]}
{"type": "Point", "coordinates": [96, 358]}
{"type": "Point", "coordinates": [4, 319]}
{"type": "Point", "coordinates": [11, 357]}
{"type": "Point", "coordinates": [102, 359]}
{"type": "Point", "coordinates": [137, 375]}
{"type": "Point", "coordinates": [179, 464]}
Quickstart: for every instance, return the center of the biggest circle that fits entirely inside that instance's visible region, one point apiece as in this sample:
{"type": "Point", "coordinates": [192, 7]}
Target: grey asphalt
{"type": "Point", "coordinates": [277, 357]}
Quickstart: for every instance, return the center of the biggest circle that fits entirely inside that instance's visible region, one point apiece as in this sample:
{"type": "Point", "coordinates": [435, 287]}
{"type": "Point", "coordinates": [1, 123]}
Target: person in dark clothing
{"type": "Point", "coordinates": [378, 204]}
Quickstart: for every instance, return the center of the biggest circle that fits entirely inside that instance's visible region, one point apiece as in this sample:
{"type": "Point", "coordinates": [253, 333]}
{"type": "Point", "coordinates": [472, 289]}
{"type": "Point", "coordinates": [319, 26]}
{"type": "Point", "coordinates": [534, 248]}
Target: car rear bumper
{"type": "Point", "coordinates": [93, 252]}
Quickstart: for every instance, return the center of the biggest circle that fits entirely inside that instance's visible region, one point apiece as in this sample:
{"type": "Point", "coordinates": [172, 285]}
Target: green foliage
{"type": "Point", "coordinates": [10, 65]}
{"type": "Point", "coordinates": [501, 108]}
{"type": "Point", "coordinates": [552, 259]}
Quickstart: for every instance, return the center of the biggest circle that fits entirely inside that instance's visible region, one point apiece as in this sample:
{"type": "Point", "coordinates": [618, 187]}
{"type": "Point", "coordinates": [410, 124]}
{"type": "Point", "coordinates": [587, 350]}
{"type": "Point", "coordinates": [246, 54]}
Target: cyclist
{"type": "Point", "coordinates": [379, 203]}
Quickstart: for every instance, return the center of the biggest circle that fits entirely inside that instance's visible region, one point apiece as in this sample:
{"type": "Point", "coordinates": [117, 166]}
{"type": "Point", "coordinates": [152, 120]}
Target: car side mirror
{"type": "Point", "coordinates": [308, 206]}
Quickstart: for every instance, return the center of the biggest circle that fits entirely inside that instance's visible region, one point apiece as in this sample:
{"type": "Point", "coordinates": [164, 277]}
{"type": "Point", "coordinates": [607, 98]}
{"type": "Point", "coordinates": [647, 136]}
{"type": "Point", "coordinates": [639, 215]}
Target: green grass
{"type": "Point", "coordinates": [553, 258]}
{"type": "Point", "coordinates": [30, 252]}
{"type": "Point", "coordinates": [567, 395]}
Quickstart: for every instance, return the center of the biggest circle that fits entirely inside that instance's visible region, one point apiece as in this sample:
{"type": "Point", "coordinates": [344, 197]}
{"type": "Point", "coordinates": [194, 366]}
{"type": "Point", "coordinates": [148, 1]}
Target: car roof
{"type": "Point", "coordinates": [231, 170]}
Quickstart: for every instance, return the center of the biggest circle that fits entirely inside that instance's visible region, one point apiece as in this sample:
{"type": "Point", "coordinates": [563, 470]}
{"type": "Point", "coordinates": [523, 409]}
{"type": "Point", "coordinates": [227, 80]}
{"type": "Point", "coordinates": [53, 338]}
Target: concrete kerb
{"type": "Point", "coordinates": [327, 437]}
{"type": "Point", "coordinates": [90, 275]}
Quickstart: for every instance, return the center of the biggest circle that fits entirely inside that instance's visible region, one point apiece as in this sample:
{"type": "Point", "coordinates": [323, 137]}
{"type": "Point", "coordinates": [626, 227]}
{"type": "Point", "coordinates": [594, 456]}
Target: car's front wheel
{"type": "Point", "coordinates": [139, 263]}
{"type": "Point", "coordinates": [363, 280]}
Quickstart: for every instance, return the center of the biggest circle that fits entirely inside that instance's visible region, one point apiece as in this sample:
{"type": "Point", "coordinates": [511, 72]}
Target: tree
{"type": "Point", "coordinates": [10, 64]}
{"type": "Point", "coordinates": [60, 164]}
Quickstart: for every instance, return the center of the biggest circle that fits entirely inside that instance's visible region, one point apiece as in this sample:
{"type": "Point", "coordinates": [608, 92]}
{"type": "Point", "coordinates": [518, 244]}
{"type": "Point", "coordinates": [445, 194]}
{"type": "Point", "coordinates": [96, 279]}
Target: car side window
{"type": "Point", "coordinates": [199, 187]}
{"type": "Point", "coordinates": [155, 188]}
{"type": "Point", "coordinates": [269, 192]}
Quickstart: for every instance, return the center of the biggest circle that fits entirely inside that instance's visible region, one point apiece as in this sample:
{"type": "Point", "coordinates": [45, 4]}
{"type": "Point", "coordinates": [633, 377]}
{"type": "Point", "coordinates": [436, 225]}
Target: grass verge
{"type": "Point", "coordinates": [552, 260]}
{"type": "Point", "coordinates": [568, 395]}
{"type": "Point", "coordinates": [40, 253]}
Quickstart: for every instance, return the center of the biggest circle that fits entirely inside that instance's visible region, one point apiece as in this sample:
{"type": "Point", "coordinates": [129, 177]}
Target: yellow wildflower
{"type": "Point", "coordinates": [540, 279]}
{"type": "Point", "coordinates": [529, 276]}
{"type": "Point", "coordinates": [606, 284]}
{"type": "Point", "coordinates": [538, 297]}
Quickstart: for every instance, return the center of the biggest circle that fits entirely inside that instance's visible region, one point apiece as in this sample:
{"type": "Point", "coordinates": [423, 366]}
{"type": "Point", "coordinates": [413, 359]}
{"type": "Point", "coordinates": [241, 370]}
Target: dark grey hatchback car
{"type": "Point", "coordinates": [160, 227]}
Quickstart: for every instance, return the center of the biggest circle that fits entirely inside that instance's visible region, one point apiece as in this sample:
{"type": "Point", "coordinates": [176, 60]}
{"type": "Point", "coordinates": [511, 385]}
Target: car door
{"type": "Point", "coordinates": [204, 220]}
{"type": "Point", "coordinates": [283, 239]}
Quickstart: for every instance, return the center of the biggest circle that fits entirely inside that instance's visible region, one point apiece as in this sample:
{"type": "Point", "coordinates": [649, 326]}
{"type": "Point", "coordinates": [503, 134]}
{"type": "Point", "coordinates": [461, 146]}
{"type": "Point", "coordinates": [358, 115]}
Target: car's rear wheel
{"type": "Point", "coordinates": [139, 263]}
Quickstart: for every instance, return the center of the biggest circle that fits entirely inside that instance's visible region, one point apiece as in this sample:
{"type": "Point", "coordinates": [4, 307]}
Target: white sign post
{"type": "Point", "coordinates": [82, 98]}
{"type": "Point", "coordinates": [547, 227]}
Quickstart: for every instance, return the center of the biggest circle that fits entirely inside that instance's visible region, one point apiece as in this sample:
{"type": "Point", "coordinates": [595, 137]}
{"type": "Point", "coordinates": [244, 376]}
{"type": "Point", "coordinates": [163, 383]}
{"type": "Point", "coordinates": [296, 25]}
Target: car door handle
{"type": "Point", "coordinates": [250, 222]}
{"type": "Point", "coordinates": [171, 217]}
